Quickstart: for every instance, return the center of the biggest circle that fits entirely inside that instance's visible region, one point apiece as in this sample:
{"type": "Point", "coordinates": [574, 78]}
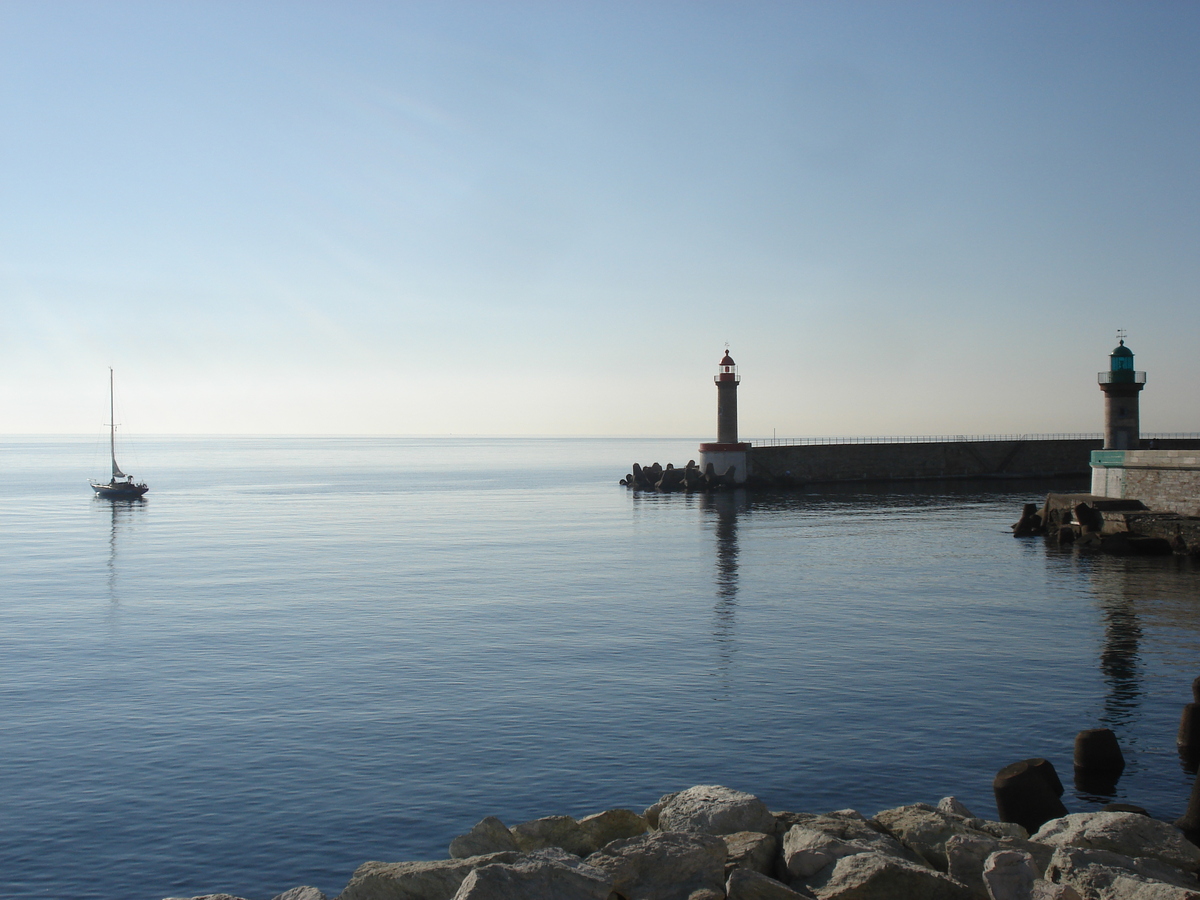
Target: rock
{"type": "Point", "coordinates": [713, 809]}
{"type": "Point", "coordinates": [806, 851]}
{"type": "Point", "coordinates": [1046, 890]}
{"type": "Point", "coordinates": [652, 812]}
{"type": "Point", "coordinates": [611, 825]}
{"type": "Point", "coordinates": [664, 865]}
{"type": "Point", "coordinates": [550, 874]}
{"type": "Point", "coordinates": [550, 831]}
{"type": "Point", "coordinates": [1103, 875]}
{"type": "Point", "coordinates": [747, 884]}
{"type": "Point", "coordinates": [1009, 875]}
{"type": "Point", "coordinates": [953, 807]}
{"type": "Point", "coordinates": [1128, 834]}
{"type": "Point", "coordinates": [304, 892]}
{"type": "Point", "coordinates": [438, 880]}
{"type": "Point", "coordinates": [967, 854]}
{"type": "Point", "coordinates": [845, 827]}
{"type": "Point", "coordinates": [751, 850]}
{"type": "Point", "coordinates": [207, 897]}
{"type": "Point", "coordinates": [488, 836]}
{"type": "Point", "coordinates": [873, 876]}
{"type": "Point", "coordinates": [1027, 793]}
{"type": "Point", "coordinates": [925, 830]}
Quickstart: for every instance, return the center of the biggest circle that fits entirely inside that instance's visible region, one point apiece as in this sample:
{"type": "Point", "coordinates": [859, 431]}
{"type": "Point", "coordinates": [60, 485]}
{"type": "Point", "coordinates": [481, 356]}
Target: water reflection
{"type": "Point", "coordinates": [723, 510]}
{"type": "Point", "coordinates": [121, 515]}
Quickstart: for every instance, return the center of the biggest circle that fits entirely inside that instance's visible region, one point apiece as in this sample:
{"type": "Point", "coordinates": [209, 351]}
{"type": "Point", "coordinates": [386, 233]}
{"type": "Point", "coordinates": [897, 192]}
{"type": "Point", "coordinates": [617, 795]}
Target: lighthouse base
{"type": "Point", "coordinates": [722, 456]}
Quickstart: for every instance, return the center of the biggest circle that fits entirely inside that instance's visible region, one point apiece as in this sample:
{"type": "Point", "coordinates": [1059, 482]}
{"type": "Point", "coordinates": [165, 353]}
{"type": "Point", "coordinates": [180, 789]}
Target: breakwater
{"type": "Point", "coordinates": [842, 461]}
{"type": "Point", "coordinates": [711, 842]}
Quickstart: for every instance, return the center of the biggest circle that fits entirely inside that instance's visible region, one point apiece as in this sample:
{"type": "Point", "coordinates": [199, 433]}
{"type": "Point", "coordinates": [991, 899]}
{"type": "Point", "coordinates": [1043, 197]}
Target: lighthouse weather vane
{"type": "Point", "coordinates": [1122, 334]}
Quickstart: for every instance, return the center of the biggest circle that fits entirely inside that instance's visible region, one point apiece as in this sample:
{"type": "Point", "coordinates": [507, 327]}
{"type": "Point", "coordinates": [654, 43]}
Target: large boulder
{"type": "Point", "coordinates": [1010, 875]}
{"type": "Point", "coordinates": [747, 884]}
{"type": "Point", "coordinates": [664, 865]}
{"type": "Point", "coordinates": [1104, 875]}
{"type": "Point", "coordinates": [550, 874]}
{"type": "Point", "coordinates": [602, 828]}
{"type": "Point", "coordinates": [873, 876]}
{"type": "Point", "coordinates": [438, 880]}
{"type": "Point", "coordinates": [751, 850]}
{"type": "Point", "coordinates": [925, 829]}
{"type": "Point", "coordinates": [488, 836]}
{"type": "Point", "coordinates": [551, 831]}
{"type": "Point", "coordinates": [303, 892]}
{"type": "Point", "coordinates": [967, 854]}
{"type": "Point", "coordinates": [1126, 833]}
{"type": "Point", "coordinates": [840, 833]}
{"type": "Point", "coordinates": [713, 809]}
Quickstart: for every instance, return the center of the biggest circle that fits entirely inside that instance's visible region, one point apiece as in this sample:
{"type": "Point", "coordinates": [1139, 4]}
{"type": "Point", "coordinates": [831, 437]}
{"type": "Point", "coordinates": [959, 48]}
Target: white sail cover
{"type": "Point", "coordinates": [117, 473]}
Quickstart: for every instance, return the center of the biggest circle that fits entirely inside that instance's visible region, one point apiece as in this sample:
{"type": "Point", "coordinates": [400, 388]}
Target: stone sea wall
{"type": "Point", "coordinates": [711, 842]}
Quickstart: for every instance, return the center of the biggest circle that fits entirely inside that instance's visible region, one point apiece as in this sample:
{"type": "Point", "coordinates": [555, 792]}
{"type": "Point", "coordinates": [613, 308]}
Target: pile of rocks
{"type": "Point", "coordinates": [671, 480]}
{"type": "Point", "coordinates": [712, 843]}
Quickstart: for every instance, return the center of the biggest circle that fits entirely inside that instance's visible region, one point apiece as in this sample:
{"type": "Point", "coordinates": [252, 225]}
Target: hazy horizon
{"type": "Point", "coordinates": [534, 218]}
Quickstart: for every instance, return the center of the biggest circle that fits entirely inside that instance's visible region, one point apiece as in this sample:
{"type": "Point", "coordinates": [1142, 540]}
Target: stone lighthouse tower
{"type": "Point", "coordinates": [727, 450]}
{"type": "Point", "coordinates": [1121, 386]}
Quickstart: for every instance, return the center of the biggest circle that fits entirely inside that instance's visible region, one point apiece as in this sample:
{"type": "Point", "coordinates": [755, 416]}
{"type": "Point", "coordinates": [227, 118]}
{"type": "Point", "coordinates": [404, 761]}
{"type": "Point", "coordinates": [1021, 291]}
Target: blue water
{"type": "Point", "coordinates": [300, 654]}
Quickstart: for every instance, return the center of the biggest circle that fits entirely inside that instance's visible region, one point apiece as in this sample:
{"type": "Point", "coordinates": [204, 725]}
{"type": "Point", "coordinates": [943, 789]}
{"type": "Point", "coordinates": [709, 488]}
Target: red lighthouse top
{"type": "Point", "coordinates": [727, 370]}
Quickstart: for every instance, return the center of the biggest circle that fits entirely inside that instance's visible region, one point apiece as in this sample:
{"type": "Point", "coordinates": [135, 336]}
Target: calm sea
{"type": "Point", "coordinates": [298, 654]}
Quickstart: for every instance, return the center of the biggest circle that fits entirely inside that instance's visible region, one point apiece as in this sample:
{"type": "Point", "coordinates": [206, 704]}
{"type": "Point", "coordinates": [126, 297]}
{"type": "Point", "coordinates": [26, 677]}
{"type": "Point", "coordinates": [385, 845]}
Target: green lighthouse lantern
{"type": "Point", "coordinates": [1121, 364]}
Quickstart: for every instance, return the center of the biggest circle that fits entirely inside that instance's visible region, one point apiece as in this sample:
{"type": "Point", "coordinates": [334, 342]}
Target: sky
{"type": "Point", "coordinates": [550, 218]}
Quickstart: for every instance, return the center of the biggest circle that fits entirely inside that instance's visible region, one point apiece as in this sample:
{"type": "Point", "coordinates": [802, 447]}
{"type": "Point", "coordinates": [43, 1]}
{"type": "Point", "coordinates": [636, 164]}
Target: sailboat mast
{"type": "Point", "coordinates": [112, 425]}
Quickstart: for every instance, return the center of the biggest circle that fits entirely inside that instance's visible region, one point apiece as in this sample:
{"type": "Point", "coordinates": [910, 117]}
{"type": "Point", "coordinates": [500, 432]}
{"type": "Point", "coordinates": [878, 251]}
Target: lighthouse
{"type": "Point", "coordinates": [1121, 386]}
{"type": "Point", "coordinates": [726, 451]}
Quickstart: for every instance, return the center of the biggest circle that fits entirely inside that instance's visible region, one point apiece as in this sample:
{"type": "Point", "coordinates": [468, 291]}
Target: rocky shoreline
{"type": "Point", "coordinates": [711, 842]}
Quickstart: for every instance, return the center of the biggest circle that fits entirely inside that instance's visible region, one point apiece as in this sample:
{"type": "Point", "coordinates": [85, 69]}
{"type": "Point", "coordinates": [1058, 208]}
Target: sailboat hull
{"type": "Point", "coordinates": [120, 490]}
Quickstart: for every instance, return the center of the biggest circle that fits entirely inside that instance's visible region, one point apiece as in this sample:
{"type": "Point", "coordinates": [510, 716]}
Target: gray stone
{"type": "Point", "coordinates": [1104, 875]}
{"type": "Point", "coordinates": [747, 884]}
{"type": "Point", "coordinates": [1047, 890]}
{"type": "Point", "coordinates": [1009, 875]}
{"type": "Point", "coordinates": [806, 851]}
{"type": "Point", "coordinates": [550, 874]}
{"type": "Point", "coordinates": [603, 828]}
{"type": "Point", "coordinates": [751, 850]}
{"type": "Point", "coordinates": [873, 876]}
{"type": "Point", "coordinates": [304, 892]}
{"type": "Point", "coordinates": [652, 811]}
{"type": "Point", "coordinates": [953, 807]}
{"type": "Point", "coordinates": [967, 853]}
{"type": "Point", "coordinates": [925, 830]}
{"type": "Point", "coordinates": [488, 836]}
{"type": "Point", "coordinates": [847, 825]}
{"type": "Point", "coordinates": [713, 809]}
{"type": "Point", "coordinates": [551, 831]}
{"type": "Point", "coordinates": [207, 897]}
{"type": "Point", "coordinates": [438, 880]}
{"type": "Point", "coordinates": [1128, 834]}
{"type": "Point", "coordinates": [663, 865]}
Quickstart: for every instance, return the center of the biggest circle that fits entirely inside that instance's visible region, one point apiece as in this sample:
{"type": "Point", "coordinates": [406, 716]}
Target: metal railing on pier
{"type": "Point", "coordinates": [959, 438]}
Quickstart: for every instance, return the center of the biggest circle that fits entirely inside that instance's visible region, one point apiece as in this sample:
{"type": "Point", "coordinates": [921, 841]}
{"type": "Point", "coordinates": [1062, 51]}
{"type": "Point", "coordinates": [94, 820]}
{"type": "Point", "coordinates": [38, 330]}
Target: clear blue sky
{"type": "Point", "coordinates": [518, 218]}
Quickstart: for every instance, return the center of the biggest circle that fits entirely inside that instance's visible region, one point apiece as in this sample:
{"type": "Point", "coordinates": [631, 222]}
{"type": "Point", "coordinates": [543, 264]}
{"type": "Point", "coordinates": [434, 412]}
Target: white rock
{"type": "Point", "coordinates": [713, 809]}
{"type": "Point", "coordinates": [747, 884]}
{"type": "Point", "coordinates": [1009, 875]}
{"type": "Point", "coordinates": [416, 880]}
{"type": "Point", "coordinates": [550, 874]}
{"type": "Point", "coordinates": [304, 892]}
{"type": "Point", "coordinates": [488, 836]}
{"type": "Point", "coordinates": [1104, 875]}
{"type": "Point", "coordinates": [873, 876]}
{"type": "Point", "coordinates": [1129, 834]}
{"type": "Point", "coordinates": [953, 807]}
{"type": "Point", "coordinates": [664, 865]}
{"type": "Point", "coordinates": [751, 850]}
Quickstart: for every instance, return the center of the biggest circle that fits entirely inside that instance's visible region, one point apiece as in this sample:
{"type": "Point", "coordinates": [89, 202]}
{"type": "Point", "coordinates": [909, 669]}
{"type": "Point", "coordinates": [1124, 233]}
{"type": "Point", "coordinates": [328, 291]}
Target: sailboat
{"type": "Point", "coordinates": [117, 490]}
